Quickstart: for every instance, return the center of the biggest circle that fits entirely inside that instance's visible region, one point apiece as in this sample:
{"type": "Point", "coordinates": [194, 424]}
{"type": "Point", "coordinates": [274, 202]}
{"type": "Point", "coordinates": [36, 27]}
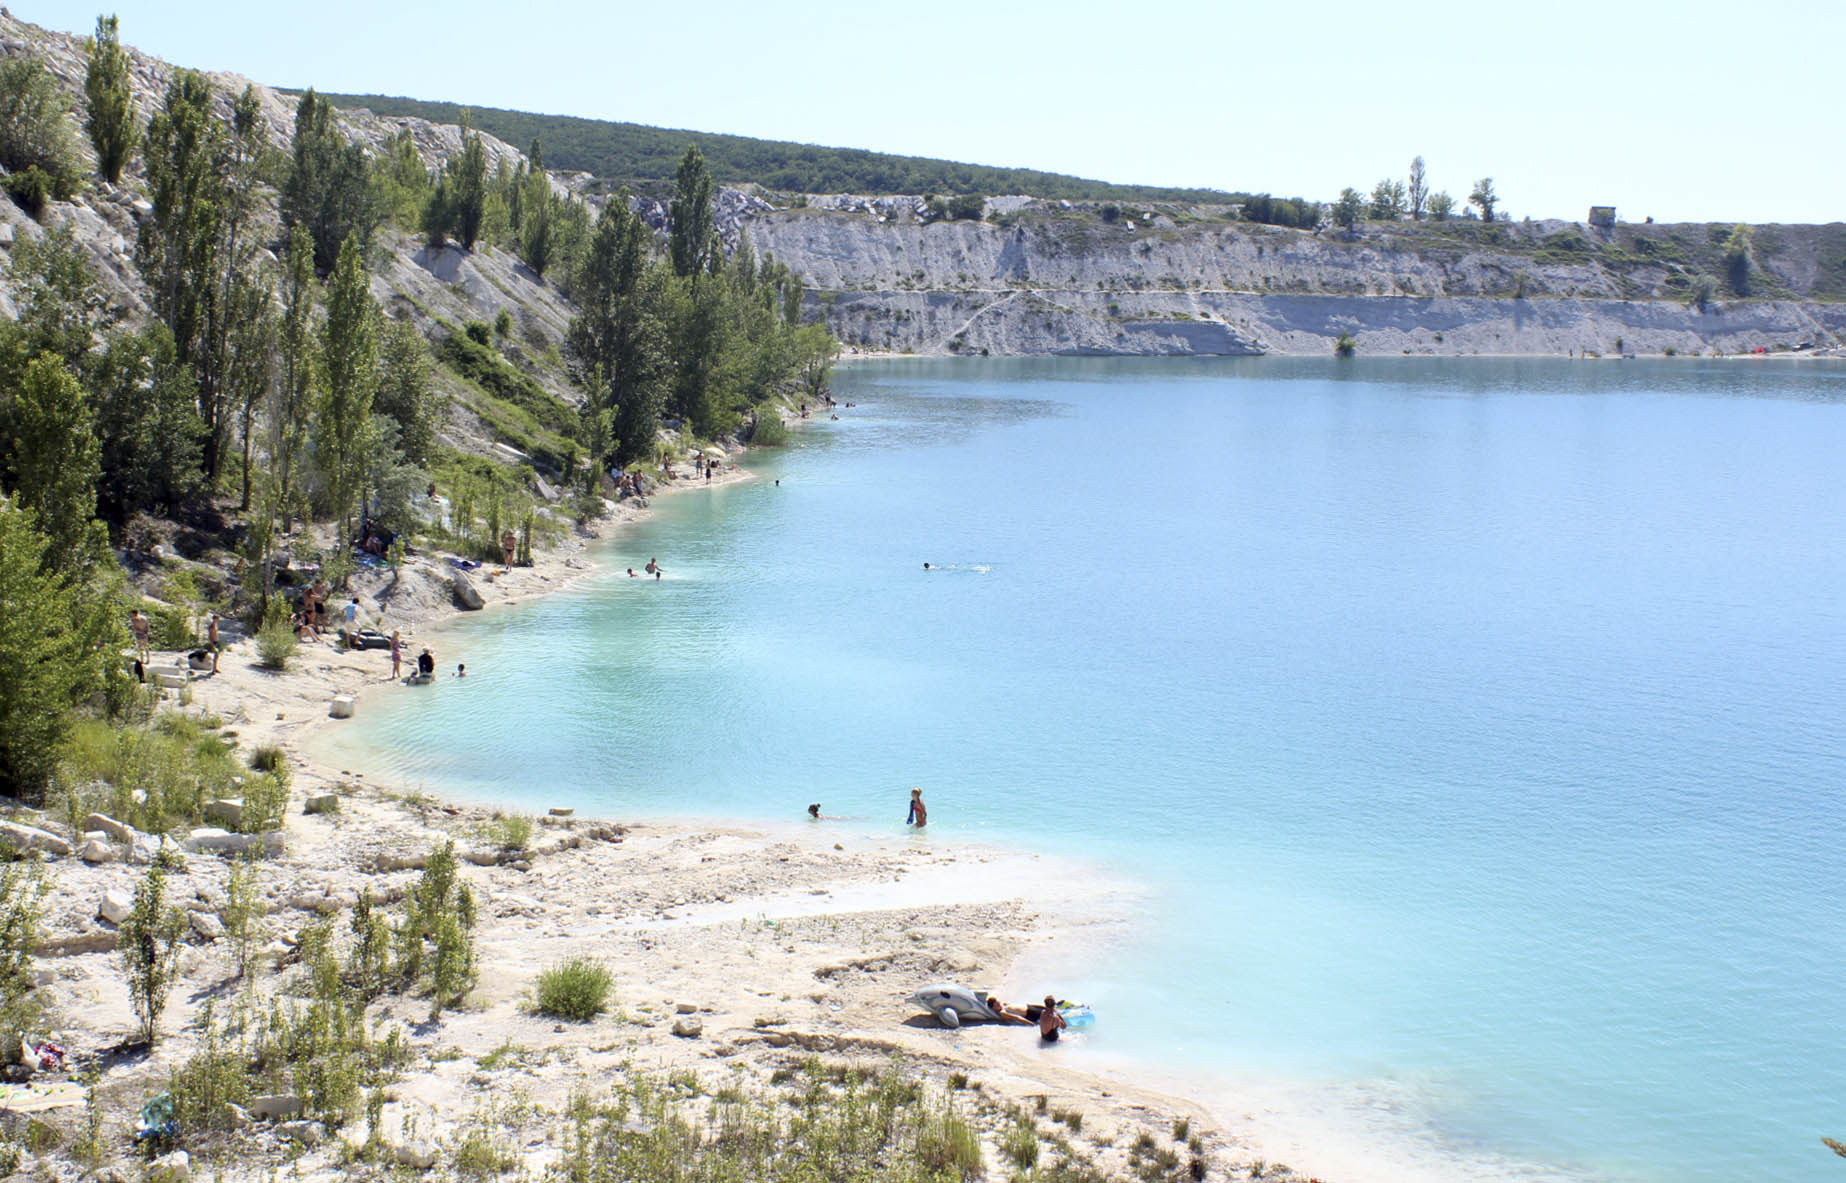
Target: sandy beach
{"type": "Point", "coordinates": [736, 951]}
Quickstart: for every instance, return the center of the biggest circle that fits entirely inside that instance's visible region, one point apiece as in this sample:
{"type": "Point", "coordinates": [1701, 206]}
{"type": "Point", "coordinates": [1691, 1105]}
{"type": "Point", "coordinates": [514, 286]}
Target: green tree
{"type": "Point", "coordinates": [1441, 206]}
{"type": "Point", "coordinates": [251, 371]}
{"type": "Point", "coordinates": [1484, 198]}
{"type": "Point", "coordinates": [23, 888]}
{"type": "Point", "coordinates": [36, 144]}
{"type": "Point", "coordinates": [1348, 209]}
{"type": "Point", "coordinates": [692, 244]}
{"type": "Point", "coordinates": [330, 189]}
{"type": "Point", "coordinates": [1737, 259]}
{"type": "Point", "coordinates": [147, 416]}
{"type": "Point", "coordinates": [150, 941]}
{"type": "Point", "coordinates": [48, 660]}
{"type": "Point", "coordinates": [1704, 291]}
{"type": "Point", "coordinates": [469, 188]}
{"type": "Point", "coordinates": [537, 238]}
{"type": "Point", "coordinates": [293, 391]}
{"type": "Point", "coordinates": [111, 117]}
{"type": "Point", "coordinates": [404, 391]}
{"type": "Point", "coordinates": [349, 353]}
{"type": "Point", "coordinates": [61, 306]}
{"type": "Point", "coordinates": [55, 455]}
{"type": "Point", "coordinates": [814, 348]}
{"type": "Point", "coordinates": [1418, 193]}
{"type": "Point", "coordinates": [619, 335]}
{"type": "Point", "coordinates": [1387, 200]}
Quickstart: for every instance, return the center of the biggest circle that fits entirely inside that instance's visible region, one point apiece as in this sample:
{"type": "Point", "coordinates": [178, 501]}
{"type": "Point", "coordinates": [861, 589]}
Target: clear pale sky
{"type": "Point", "coordinates": [1688, 111]}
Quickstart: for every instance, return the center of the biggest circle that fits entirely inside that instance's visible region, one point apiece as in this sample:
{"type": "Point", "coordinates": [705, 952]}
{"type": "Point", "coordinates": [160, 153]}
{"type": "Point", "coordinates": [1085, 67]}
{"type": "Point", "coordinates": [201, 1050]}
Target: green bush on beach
{"type": "Point", "coordinates": [275, 644]}
{"type": "Point", "coordinates": [576, 989]}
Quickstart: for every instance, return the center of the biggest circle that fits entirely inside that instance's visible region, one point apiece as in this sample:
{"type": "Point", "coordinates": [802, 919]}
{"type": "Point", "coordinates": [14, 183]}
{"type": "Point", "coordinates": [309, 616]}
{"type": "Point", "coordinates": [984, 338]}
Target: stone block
{"type": "Point", "coordinates": [98, 849]}
{"type": "Point", "coordinates": [206, 924]}
{"type": "Point", "coordinates": [466, 597]}
{"type": "Point", "coordinates": [275, 1106]}
{"type": "Point", "coordinates": [342, 707]}
{"type": "Point", "coordinates": [117, 831]}
{"type": "Point", "coordinates": [228, 812]}
{"type": "Point", "coordinates": [23, 837]}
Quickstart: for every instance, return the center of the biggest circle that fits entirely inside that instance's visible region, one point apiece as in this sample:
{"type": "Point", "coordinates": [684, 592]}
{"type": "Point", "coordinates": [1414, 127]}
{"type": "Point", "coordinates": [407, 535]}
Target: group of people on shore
{"type": "Point", "coordinates": [1049, 1018]}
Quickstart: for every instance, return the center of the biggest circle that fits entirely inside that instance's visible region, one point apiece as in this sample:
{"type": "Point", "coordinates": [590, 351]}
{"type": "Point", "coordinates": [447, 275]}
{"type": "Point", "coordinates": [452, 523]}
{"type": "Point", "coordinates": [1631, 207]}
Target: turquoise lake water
{"type": "Point", "coordinates": [1476, 725]}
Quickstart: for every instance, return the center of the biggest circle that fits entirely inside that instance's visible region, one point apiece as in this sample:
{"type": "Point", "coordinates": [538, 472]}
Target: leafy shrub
{"type": "Point", "coordinates": [769, 431]}
{"type": "Point", "coordinates": [23, 887]}
{"type": "Point", "coordinates": [268, 758]}
{"type": "Point", "coordinates": [265, 802]}
{"type": "Point", "coordinates": [576, 989]}
{"type": "Point", "coordinates": [150, 944]}
{"type": "Point", "coordinates": [478, 332]}
{"type": "Point", "coordinates": [1345, 346]}
{"type": "Point", "coordinates": [275, 644]}
{"type": "Point", "coordinates": [511, 831]}
{"type": "Point", "coordinates": [171, 627]}
{"type": "Point", "coordinates": [947, 1144]}
{"type": "Point", "coordinates": [503, 323]}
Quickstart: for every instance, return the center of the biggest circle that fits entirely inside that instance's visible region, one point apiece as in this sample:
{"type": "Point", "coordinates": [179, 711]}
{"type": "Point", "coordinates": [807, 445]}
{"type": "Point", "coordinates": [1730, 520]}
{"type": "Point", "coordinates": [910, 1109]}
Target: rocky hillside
{"type": "Point", "coordinates": [1061, 278]}
{"type": "Point", "coordinates": [439, 290]}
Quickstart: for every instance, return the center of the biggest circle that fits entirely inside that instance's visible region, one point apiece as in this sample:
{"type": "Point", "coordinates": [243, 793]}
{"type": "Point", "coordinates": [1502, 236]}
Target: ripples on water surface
{"type": "Point", "coordinates": [1476, 723]}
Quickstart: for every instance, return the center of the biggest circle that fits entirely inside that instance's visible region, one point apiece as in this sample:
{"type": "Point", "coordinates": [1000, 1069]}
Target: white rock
{"type": "Point", "coordinates": [418, 1155]}
{"type": "Point", "coordinates": [170, 1168]}
{"type": "Point", "coordinates": [21, 837]}
{"type": "Point", "coordinates": [688, 1028]}
{"type": "Point", "coordinates": [322, 803]}
{"type": "Point", "coordinates": [98, 850]}
{"type": "Point", "coordinates": [308, 1133]}
{"type": "Point", "coordinates": [228, 812]}
{"type": "Point", "coordinates": [108, 825]}
{"type": "Point", "coordinates": [342, 707]}
{"type": "Point", "coordinates": [466, 597]}
{"type": "Point", "coordinates": [116, 905]}
{"type": "Point", "coordinates": [206, 925]}
{"type": "Point", "coordinates": [275, 1106]}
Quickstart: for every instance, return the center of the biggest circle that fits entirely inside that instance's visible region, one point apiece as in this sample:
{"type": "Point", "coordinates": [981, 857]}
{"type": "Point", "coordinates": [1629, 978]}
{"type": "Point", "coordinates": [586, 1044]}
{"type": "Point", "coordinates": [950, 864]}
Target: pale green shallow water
{"type": "Point", "coordinates": [1475, 724]}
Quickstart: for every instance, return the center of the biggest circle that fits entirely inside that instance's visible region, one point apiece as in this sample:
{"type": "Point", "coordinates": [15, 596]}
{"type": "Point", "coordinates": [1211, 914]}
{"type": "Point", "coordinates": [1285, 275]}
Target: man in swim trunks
{"type": "Point", "coordinates": [1050, 1020]}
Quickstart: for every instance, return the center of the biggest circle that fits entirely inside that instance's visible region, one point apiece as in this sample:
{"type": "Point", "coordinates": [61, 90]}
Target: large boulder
{"type": "Point", "coordinates": [466, 597]}
{"type": "Point", "coordinates": [23, 837]}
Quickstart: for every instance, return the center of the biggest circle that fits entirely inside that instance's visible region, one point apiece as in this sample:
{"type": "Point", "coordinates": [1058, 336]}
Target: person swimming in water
{"type": "Point", "coordinates": [814, 811]}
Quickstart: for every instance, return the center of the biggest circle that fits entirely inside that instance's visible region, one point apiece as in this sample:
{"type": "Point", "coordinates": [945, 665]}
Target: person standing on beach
{"type": "Point", "coordinates": [211, 638]}
{"type": "Point", "coordinates": [919, 813]}
{"type": "Point", "coordinates": [137, 624]}
{"type": "Point", "coordinates": [397, 655]}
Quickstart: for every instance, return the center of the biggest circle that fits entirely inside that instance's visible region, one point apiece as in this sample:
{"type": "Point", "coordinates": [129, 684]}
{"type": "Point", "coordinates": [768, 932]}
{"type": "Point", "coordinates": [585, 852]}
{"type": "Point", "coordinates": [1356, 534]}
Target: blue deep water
{"type": "Point", "coordinates": [1478, 727]}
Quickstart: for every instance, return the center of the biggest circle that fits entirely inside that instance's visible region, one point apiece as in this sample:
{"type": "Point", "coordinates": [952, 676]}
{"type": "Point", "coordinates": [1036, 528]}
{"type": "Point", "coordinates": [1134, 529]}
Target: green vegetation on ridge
{"type": "Point", "coordinates": [642, 156]}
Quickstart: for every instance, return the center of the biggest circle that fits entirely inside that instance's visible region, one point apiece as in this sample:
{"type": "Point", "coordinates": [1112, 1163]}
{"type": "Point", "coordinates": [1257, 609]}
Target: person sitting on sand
{"type": "Point", "coordinates": [1050, 1020]}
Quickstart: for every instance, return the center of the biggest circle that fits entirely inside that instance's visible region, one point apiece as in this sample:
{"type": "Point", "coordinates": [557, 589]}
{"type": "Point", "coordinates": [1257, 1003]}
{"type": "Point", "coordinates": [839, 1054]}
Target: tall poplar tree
{"type": "Point", "coordinates": [111, 117]}
{"type": "Point", "coordinates": [620, 334]}
{"type": "Point", "coordinates": [349, 358]}
{"type": "Point", "coordinates": [293, 392]}
{"type": "Point", "coordinates": [181, 247]}
{"type": "Point", "coordinates": [331, 189]}
{"type": "Point", "coordinates": [691, 242]}
{"type": "Point", "coordinates": [468, 188]}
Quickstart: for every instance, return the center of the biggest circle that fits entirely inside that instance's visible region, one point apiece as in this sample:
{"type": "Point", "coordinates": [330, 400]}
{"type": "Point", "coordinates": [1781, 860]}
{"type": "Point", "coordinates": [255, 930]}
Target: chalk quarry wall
{"type": "Point", "coordinates": [1085, 287]}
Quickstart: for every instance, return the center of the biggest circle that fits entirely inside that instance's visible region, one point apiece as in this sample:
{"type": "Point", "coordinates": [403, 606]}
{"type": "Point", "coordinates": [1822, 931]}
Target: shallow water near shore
{"type": "Point", "coordinates": [1475, 724]}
